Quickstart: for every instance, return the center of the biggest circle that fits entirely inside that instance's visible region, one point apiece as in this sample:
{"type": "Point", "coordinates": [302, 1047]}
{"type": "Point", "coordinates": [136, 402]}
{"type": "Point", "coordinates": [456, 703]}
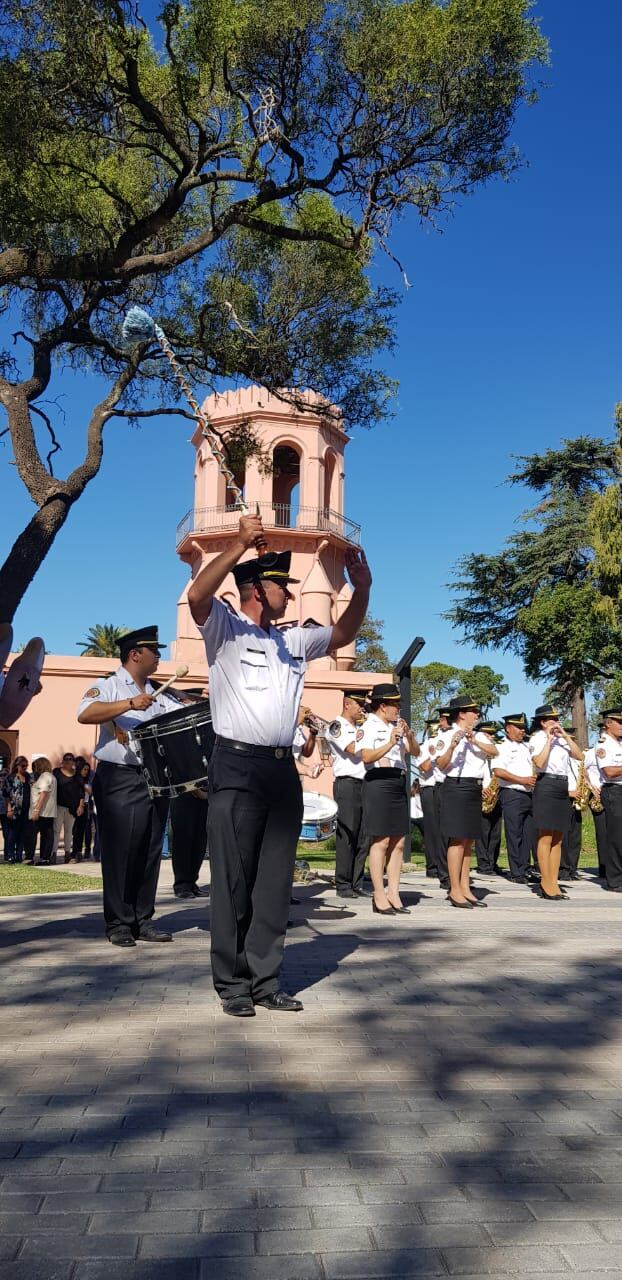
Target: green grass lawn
{"type": "Point", "coordinates": [322, 856]}
{"type": "Point", "coordinates": [20, 879]}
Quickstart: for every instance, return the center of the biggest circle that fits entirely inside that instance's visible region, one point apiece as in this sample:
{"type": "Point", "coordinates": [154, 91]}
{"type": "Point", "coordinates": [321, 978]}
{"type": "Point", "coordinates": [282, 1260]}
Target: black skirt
{"type": "Point", "coordinates": [386, 810]}
{"type": "Point", "coordinates": [461, 808]}
{"type": "Point", "coordinates": [551, 805]}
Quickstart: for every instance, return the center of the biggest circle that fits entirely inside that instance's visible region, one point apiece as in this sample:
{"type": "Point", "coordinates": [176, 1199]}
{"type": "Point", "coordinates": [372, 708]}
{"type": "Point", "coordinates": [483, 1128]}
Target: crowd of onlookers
{"type": "Point", "coordinates": [39, 805]}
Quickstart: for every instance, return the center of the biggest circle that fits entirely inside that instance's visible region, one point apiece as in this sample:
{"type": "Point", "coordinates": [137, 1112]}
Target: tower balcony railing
{"type": "Point", "coordinates": [275, 515]}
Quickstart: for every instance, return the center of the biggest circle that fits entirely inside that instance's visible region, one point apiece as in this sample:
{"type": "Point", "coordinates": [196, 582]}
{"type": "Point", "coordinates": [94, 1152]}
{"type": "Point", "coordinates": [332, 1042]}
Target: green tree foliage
{"type": "Point", "coordinates": [233, 167]}
{"type": "Point", "coordinates": [605, 526]}
{"type": "Point", "coordinates": [537, 597]}
{"type": "Point", "coordinates": [371, 654]}
{"type": "Point", "coordinates": [434, 684]}
{"type": "Point", "coordinates": [102, 640]}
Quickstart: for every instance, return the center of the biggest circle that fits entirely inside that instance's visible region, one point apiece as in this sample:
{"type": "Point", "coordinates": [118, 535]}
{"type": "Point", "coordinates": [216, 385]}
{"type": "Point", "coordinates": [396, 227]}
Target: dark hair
{"type": "Point", "coordinates": [16, 761]}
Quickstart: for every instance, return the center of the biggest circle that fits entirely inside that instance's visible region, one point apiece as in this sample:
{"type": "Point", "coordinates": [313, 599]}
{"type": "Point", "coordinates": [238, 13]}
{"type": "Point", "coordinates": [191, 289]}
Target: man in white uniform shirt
{"type": "Point", "coordinates": [344, 735]}
{"type": "Point", "coordinates": [255, 812]}
{"type": "Point", "coordinates": [130, 824]}
{"type": "Point", "coordinates": [594, 781]}
{"type": "Point", "coordinates": [431, 779]}
{"type": "Point", "coordinates": [517, 778]}
{"type": "Point", "coordinates": [609, 760]}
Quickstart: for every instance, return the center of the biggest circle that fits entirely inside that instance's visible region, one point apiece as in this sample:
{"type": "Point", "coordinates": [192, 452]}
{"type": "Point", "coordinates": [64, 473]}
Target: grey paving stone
{"type": "Point", "coordinates": [475, 1211]}
{"type": "Point", "coordinates": [555, 1231]}
{"type": "Point", "coordinates": [50, 1269]}
{"type": "Point", "coordinates": [314, 1240]}
{"type": "Point", "coordinates": [177, 1221]}
{"type": "Point", "coordinates": [592, 1257]}
{"type": "Point", "coordinates": [237, 1244]}
{"type": "Point", "coordinates": [154, 1269]}
{"type": "Point", "coordinates": [9, 1247]}
{"type": "Point", "coordinates": [420, 1263]}
{"type": "Point", "coordinates": [301, 1266]}
{"type": "Point", "coordinates": [121, 1202]}
{"type": "Point", "coordinates": [19, 1223]}
{"type": "Point", "coordinates": [489, 1261]}
{"type": "Point", "coordinates": [73, 1246]}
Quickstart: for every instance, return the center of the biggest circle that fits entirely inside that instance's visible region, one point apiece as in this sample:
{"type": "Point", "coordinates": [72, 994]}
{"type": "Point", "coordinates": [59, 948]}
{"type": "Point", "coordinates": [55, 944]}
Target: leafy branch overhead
{"type": "Point", "coordinates": [231, 166]}
{"type": "Point", "coordinates": [539, 596]}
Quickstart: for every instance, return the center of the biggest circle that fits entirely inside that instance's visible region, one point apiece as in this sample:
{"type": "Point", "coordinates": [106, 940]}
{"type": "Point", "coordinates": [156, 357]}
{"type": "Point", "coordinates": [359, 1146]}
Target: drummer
{"type": "Point", "coordinates": [131, 824]}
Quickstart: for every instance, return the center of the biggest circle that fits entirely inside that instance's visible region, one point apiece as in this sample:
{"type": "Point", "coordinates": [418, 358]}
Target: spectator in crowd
{"type": "Point", "coordinates": [4, 822]}
{"type": "Point", "coordinates": [82, 826]}
{"type": "Point", "coordinates": [43, 807]}
{"type": "Point", "coordinates": [69, 803]}
{"type": "Point", "coordinates": [16, 794]}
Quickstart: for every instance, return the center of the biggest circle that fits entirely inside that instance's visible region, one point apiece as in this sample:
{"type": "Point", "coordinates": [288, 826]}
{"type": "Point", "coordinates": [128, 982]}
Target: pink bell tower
{"type": "Point", "coordinates": [301, 503]}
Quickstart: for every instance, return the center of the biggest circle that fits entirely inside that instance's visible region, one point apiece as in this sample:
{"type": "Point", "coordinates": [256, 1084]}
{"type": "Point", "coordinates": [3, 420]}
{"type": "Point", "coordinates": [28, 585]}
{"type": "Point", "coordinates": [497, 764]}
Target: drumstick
{"type": "Point", "coordinates": [179, 672]}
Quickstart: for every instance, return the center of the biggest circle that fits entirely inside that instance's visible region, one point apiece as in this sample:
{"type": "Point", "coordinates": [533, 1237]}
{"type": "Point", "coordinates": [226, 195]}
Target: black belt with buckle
{"type": "Point", "coordinates": [250, 749]}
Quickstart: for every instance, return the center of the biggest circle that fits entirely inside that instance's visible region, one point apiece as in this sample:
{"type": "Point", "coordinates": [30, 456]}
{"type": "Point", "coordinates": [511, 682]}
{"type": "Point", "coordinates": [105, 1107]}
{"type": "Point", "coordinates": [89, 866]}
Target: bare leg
{"type": "Point", "coordinates": [555, 859]}
{"type": "Point", "coordinates": [465, 877]}
{"type": "Point", "coordinates": [455, 859]}
{"type": "Point", "coordinates": [377, 855]}
{"type": "Point", "coordinates": [394, 869]}
{"type": "Point", "coordinates": [544, 861]}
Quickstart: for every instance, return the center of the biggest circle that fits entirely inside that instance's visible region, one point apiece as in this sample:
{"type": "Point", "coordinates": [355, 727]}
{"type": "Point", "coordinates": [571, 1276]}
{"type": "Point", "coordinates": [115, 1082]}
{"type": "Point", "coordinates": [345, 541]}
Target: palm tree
{"type": "Point", "coordinates": [102, 641]}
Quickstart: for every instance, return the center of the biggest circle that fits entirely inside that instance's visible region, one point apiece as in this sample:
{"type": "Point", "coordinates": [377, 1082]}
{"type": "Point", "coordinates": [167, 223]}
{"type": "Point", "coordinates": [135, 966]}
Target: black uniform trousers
{"type": "Point", "coordinates": [434, 845]}
{"type": "Point", "coordinates": [131, 830]}
{"type": "Point", "coordinates": [611, 799]}
{"type": "Point", "coordinates": [189, 826]}
{"type": "Point", "coordinates": [254, 822]}
{"type": "Point", "coordinates": [600, 828]}
{"type": "Point", "coordinates": [571, 843]}
{"type": "Point", "coordinates": [351, 843]}
{"type": "Point", "coordinates": [516, 807]}
{"type": "Point", "coordinates": [488, 847]}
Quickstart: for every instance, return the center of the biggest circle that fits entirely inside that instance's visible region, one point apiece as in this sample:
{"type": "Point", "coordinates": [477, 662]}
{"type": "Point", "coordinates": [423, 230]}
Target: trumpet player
{"type": "Point", "coordinates": [462, 754]}
{"type": "Point", "coordinates": [594, 782]}
{"type": "Point", "coordinates": [304, 744]}
{"type": "Point", "coordinates": [578, 792]}
{"type": "Point", "coordinates": [517, 779]}
{"type": "Point", "coordinates": [609, 760]}
{"type": "Point", "coordinates": [344, 735]}
{"type": "Point", "coordinates": [551, 749]}
{"type": "Point", "coordinates": [488, 846]}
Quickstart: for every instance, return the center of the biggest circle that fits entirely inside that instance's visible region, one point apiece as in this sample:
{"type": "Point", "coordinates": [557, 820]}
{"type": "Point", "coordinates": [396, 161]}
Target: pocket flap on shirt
{"type": "Point", "coordinates": [254, 658]}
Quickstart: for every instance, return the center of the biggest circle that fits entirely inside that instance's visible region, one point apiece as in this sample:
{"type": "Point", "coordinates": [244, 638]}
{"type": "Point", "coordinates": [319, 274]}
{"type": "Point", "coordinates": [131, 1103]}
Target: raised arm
{"type": "Point", "coordinates": [351, 620]}
{"type": "Point", "coordinates": [204, 587]}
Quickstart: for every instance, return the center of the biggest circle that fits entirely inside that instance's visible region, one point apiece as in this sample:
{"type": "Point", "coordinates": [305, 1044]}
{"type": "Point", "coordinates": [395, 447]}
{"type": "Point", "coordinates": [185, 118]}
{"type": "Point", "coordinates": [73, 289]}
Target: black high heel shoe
{"type": "Point", "coordinates": [551, 897]}
{"type": "Point", "coordinates": [382, 911]}
{"type": "Point", "coordinates": [464, 906]}
{"type": "Point", "coordinates": [401, 911]}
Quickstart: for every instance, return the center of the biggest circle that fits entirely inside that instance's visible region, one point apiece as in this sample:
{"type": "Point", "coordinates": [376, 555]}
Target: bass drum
{"type": "Point", "coordinates": [175, 750]}
{"type": "Point", "coordinates": [319, 819]}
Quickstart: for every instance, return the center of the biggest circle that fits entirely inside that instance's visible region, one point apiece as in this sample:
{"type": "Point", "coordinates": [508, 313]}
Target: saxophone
{"type": "Point", "coordinates": [490, 794]}
{"type": "Point", "coordinates": [584, 795]}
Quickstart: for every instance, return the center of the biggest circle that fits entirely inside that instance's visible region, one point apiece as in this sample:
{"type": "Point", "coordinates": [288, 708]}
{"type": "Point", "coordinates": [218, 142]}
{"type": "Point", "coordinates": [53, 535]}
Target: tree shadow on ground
{"type": "Point", "coordinates": [433, 1077]}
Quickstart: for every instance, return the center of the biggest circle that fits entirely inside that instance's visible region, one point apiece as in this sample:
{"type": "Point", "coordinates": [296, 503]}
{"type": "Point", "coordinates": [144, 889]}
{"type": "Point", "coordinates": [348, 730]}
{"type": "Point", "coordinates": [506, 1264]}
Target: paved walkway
{"type": "Point", "coordinates": [449, 1102]}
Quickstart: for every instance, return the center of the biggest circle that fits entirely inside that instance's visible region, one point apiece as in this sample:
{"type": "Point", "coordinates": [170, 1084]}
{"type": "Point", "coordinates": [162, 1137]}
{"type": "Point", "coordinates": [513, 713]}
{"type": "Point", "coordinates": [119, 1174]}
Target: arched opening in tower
{"type": "Point", "coordinates": [285, 485]}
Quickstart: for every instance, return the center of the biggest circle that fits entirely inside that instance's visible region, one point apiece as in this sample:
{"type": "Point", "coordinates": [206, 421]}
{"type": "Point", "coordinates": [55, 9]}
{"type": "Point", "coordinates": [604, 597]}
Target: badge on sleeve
{"type": "Point", "coordinates": [334, 728]}
{"type": "Point", "coordinates": [92, 693]}
{"type": "Point", "coordinates": [359, 735]}
{"type": "Point", "coordinates": [601, 753]}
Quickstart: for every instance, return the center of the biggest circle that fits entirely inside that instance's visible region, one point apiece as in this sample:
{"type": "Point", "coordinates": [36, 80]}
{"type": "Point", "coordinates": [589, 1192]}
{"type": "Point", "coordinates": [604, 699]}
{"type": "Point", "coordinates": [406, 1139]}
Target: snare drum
{"type": "Point", "coordinates": [174, 750]}
{"type": "Point", "coordinates": [319, 819]}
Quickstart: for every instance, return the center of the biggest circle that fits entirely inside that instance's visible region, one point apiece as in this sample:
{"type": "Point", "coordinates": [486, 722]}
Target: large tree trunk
{"type": "Point", "coordinates": [27, 552]}
{"type": "Point", "coordinates": [579, 718]}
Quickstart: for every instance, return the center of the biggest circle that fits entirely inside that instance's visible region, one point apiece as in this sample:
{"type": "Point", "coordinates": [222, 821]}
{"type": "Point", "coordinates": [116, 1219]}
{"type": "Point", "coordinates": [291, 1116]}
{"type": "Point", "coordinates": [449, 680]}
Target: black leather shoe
{"type": "Point", "coordinates": [444, 884]}
{"type": "Point", "coordinates": [464, 906]}
{"type": "Point", "coordinates": [122, 939]}
{"type": "Point", "coordinates": [346, 893]}
{"type": "Point", "coordinates": [613, 888]}
{"type": "Point", "coordinates": [239, 1007]}
{"type": "Point", "coordinates": [149, 933]}
{"type": "Point", "coordinates": [574, 875]}
{"type": "Point", "coordinates": [518, 879]}
{"type": "Point", "coordinates": [382, 911]}
{"type": "Point", "coordinates": [198, 892]}
{"type": "Point", "coordinates": [281, 1003]}
{"type": "Point", "coordinates": [184, 893]}
{"type": "Point", "coordinates": [532, 877]}
{"type": "Point", "coordinates": [363, 893]}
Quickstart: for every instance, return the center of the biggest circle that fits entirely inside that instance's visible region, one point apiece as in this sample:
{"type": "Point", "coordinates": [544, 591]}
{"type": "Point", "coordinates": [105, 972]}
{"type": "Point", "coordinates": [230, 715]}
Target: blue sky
{"type": "Point", "coordinates": [508, 340]}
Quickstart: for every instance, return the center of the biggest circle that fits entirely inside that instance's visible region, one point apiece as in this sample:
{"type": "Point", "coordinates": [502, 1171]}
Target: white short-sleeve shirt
{"type": "Point", "coordinates": [375, 734]}
{"type": "Point", "coordinates": [256, 676]}
{"type": "Point", "coordinates": [514, 757]}
{"type": "Point", "coordinates": [341, 734]}
{"type": "Point", "coordinates": [559, 755]}
{"type": "Point", "coordinates": [608, 755]}
{"type": "Point", "coordinates": [429, 751]}
{"type": "Point", "coordinates": [467, 760]}
{"type": "Point", "coordinates": [591, 768]}
{"type": "Point", "coordinates": [116, 688]}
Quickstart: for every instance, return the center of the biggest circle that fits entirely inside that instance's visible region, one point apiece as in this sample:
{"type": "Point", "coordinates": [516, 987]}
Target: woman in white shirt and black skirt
{"type": "Point", "coordinates": [386, 740]}
{"type": "Point", "coordinates": [551, 750]}
{"type": "Point", "coordinates": [462, 754]}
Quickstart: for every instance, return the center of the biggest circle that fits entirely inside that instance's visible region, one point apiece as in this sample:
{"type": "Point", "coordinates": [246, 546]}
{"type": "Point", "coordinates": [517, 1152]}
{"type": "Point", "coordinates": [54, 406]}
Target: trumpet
{"type": "Point", "coordinates": [316, 723]}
